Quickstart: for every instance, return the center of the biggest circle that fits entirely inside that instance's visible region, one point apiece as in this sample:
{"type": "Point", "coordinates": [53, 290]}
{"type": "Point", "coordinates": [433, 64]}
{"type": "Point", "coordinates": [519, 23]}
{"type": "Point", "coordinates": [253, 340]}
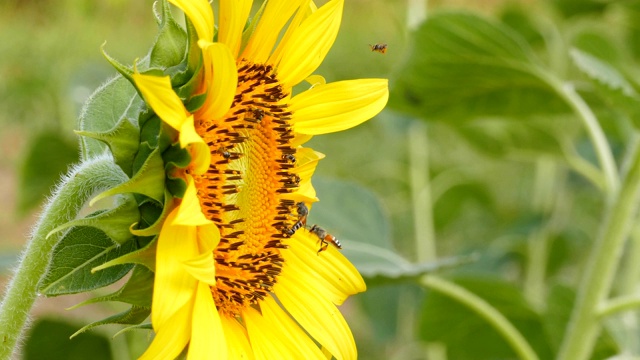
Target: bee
{"type": "Point", "coordinates": [381, 48]}
{"type": "Point", "coordinates": [225, 154]}
{"type": "Point", "coordinates": [258, 114]}
{"type": "Point", "coordinates": [290, 158]}
{"type": "Point", "coordinates": [325, 238]}
{"type": "Point", "coordinates": [302, 211]}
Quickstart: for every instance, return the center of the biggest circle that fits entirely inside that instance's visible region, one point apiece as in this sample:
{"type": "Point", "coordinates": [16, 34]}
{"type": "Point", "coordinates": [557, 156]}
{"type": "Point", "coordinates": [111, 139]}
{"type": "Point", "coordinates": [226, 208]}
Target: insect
{"type": "Point", "coordinates": [381, 48]}
{"type": "Point", "coordinates": [325, 238]}
{"type": "Point", "coordinates": [258, 114]}
{"type": "Point", "coordinates": [225, 154]}
{"type": "Point", "coordinates": [302, 211]}
{"type": "Point", "coordinates": [290, 158]}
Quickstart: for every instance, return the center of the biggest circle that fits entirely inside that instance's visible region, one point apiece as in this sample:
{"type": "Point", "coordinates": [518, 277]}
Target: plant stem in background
{"type": "Point", "coordinates": [421, 192]}
{"type": "Point", "coordinates": [584, 326]}
{"type": "Point", "coordinates": [509, 332]}
{"type": "Point", "coordinates": [74, 191]}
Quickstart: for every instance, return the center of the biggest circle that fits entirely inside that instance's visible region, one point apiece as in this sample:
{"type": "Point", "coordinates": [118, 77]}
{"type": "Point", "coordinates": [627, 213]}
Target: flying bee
{"type": "Point", "coordinates": [290, 158]}
{"type": "Point", "coordinates": [302, 211]}
{"type": "Point", "coordinates": [325, 238]}
{"type": "Point", "coordinates": [381, 48]}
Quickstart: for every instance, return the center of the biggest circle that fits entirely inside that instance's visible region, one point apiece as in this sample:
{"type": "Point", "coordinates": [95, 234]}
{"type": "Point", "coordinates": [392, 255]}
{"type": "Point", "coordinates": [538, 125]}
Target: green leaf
{"type": "Point", "coordinates": [145, 256]}
{"type": "Point", "coordinates": [464, 66]}
{"type": "Point", "coordinates": [72, 259]}
{"type": "Point", "coordinates": [379, 266]}
{"type": "Point", "coordinates": [123, 141]}
{"type": "Point", "coordinates": [467, 335]}
{"type": "Point", "coordinates": [49, 339]}
{"type": "Point", "coordinates": [113, 101]}
{"type": "Point", "coordinates": [137, 291]}
{"type": "Point", "coordinates": [114, 222]}
{"type": "Point", "coordinates": [350, 211]}
{"type": "Point", "coordinates": [135, 315]}
{"type": "Point", "coordinates": [48, 156]}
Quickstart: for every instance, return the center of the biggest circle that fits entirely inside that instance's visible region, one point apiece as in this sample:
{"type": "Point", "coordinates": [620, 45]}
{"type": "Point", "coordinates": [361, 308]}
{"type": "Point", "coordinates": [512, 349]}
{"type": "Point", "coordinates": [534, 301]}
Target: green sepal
{"type": "Point", "coordinates": [114, 222]}
{"type": "Point", "coordinates": [125, 71]}
{"type": "Point", "coordinates": [137, 291]}
{"type": "Point", "coordinates": [148, 181]}
{"type": "Point", "coordinates": [157, 221]}
{"type": "Point", "coordinates": [195, 102]}
{"type": "Point", "coordinates": [135, 315]}
{"type": "Point", "coordinates": [122, 140]}
{"type": "Point", "coordinates": [145, 326]}
{"type": "Point", "coordinates": [73, 257]}
{"type": "Point", "coordinates": [176, 157]}
{"type": "Point", "coordinates": [171, 42]}
{"type": "Point", "coordinates": [145, 256]}
{"type": "Point", "coordinates": [113, 101]}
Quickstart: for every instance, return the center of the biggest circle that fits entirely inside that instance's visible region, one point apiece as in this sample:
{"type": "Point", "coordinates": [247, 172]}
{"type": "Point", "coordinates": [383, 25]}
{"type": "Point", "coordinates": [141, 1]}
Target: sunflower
{"type": "Point", "coordinates": [237, 274]}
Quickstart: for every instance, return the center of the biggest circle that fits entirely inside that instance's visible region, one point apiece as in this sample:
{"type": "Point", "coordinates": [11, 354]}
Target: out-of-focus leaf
{"type": "Point", "coordinates": [464, 66]}
{"type": "Point", "coordinates": [519, 19]}
{"type": "Point", "coordinates": [49, 339]}
{"type": "Point", "coordinates": [350, 211]}
{"type": "Point", "coordinates": [569, 8]}
{"type": "Point", "coordinates": [381, 266]}
{"type": "Point", "coordinates": [48, 157]}
{"type": "Point", "coordinates": [467, 335]}
{"type": "Point", "coordinates": [448, 207]}
{"type": "Point", "coordinates": [80, 250]}
{"type": "Point", "coordinates": [597, 44]}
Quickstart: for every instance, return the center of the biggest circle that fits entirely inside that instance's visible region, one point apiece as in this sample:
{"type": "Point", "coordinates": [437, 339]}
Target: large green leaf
{"type": "Point", "coordinates": [48, 156]}
{"type": "Point", "coordinates": [350, 211]}
{"type": "Point", "coordinates": [465, 66]}
{"type": "Point", "coordinates": [79, 251]}
{"type": "Point", "coordinates": [49, 339]}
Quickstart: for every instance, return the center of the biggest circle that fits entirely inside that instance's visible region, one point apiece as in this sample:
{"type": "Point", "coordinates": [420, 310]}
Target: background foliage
{"type": "Point", "coordinates": [479, 170]}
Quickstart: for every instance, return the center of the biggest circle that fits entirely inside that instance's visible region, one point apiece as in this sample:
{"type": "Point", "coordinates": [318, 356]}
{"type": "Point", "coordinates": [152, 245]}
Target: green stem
{"type": "Point", "coordinates": [69, 197]}
{"type": "Point", "coordinates": [583, 329]}
{"type": "Point", "coordinates": [619, 304]}
{"type": "Point", "coordinates": [595, 132]}
{"type": "Point", "coordinates": [421, 193]}
{"type": "Point", "coordinates": [485, 310]}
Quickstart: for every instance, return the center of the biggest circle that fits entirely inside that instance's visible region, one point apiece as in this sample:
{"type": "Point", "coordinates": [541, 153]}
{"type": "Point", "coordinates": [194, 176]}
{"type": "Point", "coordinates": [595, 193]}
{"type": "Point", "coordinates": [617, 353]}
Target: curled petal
{"type": "Point", "coordinates": [338, 106]}
{"type": "Point", "coordinates": [200, 14]}
{"type": "Point", "coordinates": [189, 212]}
{"type": "Point", "coordinates": [203, 268]}
{"type": "Point", "coordinates": [157, 92]}
{"type": "Point", "coordinates": [224, 79]}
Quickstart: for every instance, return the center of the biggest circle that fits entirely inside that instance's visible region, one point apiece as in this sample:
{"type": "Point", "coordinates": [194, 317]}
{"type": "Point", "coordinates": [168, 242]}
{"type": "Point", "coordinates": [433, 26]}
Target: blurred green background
{"type": "Point", "coordinates": [499, 202]}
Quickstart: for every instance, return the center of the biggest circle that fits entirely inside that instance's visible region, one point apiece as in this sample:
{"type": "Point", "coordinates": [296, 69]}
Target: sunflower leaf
{"type": "Point", "coordinates": [73, 257]}
{"type": "Point", "coordinates": [113, 101]}
{"type": "Point", "coordinates": [461, 58]}
{"type": "Point", "coordinates": [383, 266]}
{"type": "Point", "coordinates": [170, 45]}
{"type": "Point", "coordinates": [137, 291]}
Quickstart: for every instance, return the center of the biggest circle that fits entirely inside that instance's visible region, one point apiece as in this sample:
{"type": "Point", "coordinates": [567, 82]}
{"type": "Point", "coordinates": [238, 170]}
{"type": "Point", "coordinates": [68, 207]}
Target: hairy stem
{"type": "Point", "coordinates": [67, 200]}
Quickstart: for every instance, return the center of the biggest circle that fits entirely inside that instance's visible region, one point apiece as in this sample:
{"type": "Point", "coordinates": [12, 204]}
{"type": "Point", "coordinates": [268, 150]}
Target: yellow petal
{"type": "Point", "coordinates": [189, 211]}
{"type": "Point", "coordinates": [208, 237]}
{"type": "Point", "coordinates": [233, 17]}
{"type": "Point", "coordinates": [310, 43]}
{"type": "Point", "coordinates": [157, 92]}
{"type": "Point", "coordinates": [275, 16]}
{"type": "Point", "coordinates": [315, 80]}
{"type": "Point", "coordinates": [317, 315]}
{"type": "Point", "coordinates": [172, 337]}
{"type": "Point", "coordinates": [223, 83]}
{"type": "Point", "coordinates": [202, 267]}
{"type": "Point", "coordinates": [338, 106]}
{"type": "Point", "coordinates": [200, 14]}
{"type": "Point", "coordinates": [274, 335]}
{"type": "Point", "coordinates": [300, 139]}
{"type": "Point", "coordinates": [331, 266]}
{"type": "Point", "coordinates": [173, 285]}
{"type": "Point", "coordinates": [237, 339]}
{"type": "Point", "coordinates": [207, 337]}
{"type": "Point", "coordinates": [303, 12]}
{"type": "Point", "coordinates": [199, 150]}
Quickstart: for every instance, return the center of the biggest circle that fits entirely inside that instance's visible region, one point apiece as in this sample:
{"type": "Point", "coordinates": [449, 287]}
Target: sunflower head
{"type": "Point", "coordinates": [222, 179]}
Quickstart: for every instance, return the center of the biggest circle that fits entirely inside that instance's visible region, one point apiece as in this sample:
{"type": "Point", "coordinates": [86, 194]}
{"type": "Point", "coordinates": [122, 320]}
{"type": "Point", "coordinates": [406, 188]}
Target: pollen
{"type": "Point", "coordinates": [252, 166]}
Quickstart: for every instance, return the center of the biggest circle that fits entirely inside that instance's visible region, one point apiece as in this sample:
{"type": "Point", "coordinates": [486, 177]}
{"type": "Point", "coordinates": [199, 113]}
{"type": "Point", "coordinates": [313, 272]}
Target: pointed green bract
{"type": "Point", "coordinates": [122, 140]}
{"type": "Point", "coordinates": [135, 315]}
{"type": "Point", "coordinates": [145, 256]}
{"type": "Point", "coordinates": [137, 291]}
{"type": "Point", "coordinates": [170, 45]}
